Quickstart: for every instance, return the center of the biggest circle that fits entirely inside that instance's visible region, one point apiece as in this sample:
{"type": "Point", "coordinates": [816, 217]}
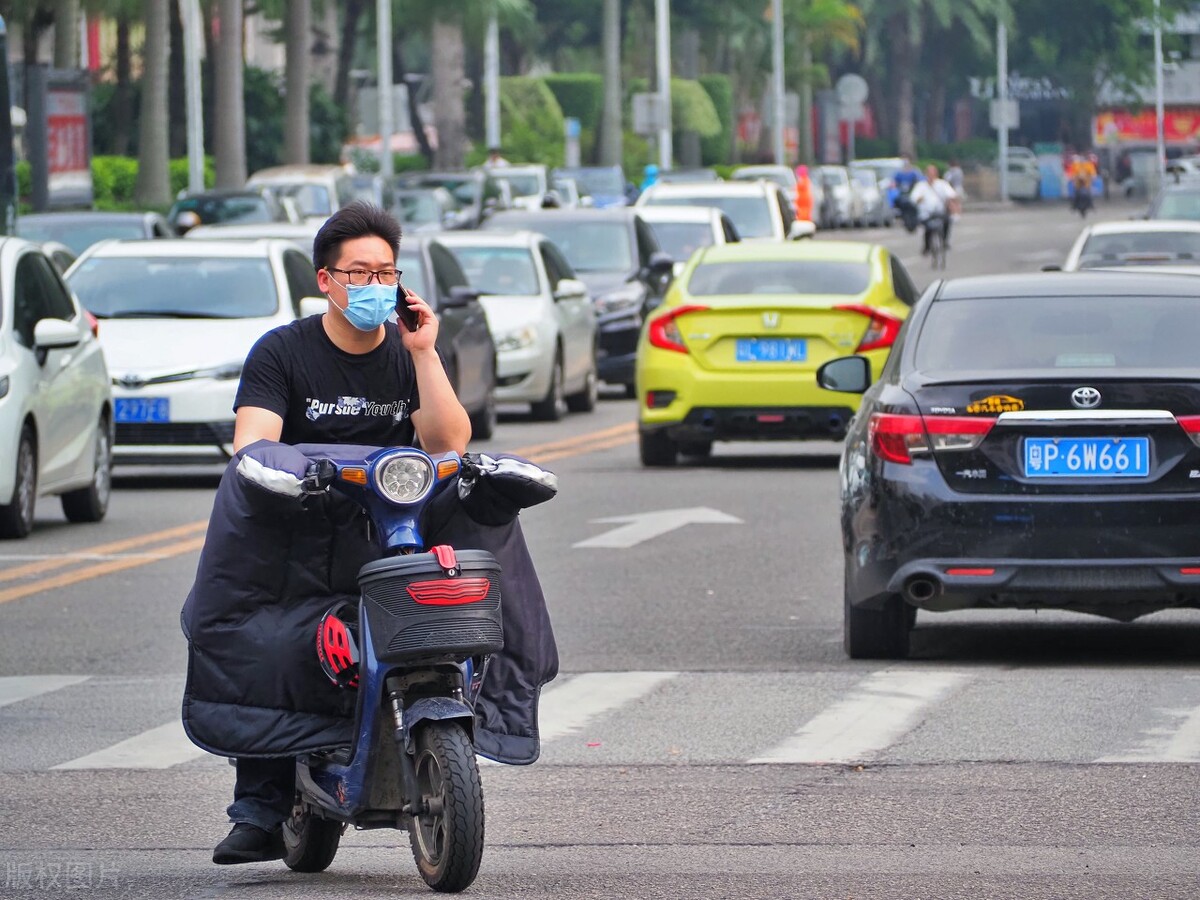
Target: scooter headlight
{"type": "Point", "coordinates": [404, 478]}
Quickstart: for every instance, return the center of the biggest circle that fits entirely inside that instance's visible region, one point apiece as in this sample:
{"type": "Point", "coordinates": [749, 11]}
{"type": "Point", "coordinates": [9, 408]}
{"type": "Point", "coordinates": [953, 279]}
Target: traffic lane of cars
{"type": "Point", "coordinates": [1052, 465]}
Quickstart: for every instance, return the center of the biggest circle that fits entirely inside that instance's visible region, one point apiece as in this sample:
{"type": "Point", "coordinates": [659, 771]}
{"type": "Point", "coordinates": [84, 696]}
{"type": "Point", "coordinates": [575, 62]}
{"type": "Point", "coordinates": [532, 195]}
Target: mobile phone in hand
{"type": "Point", "coordinates": [403, 313]}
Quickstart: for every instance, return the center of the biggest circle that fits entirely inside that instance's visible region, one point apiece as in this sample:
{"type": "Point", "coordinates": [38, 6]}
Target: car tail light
{"type": "Point", "coordinates": [1191, 426]}
{"type": "Point", "coordinates": [881, 329]}
{"type": "Point", "coordinates": [897, 437]}
{"type": "Point", "coordinates": [663, 331]}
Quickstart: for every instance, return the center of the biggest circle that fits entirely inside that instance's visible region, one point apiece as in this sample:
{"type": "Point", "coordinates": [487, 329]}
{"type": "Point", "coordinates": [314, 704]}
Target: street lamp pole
{"type": "Point", "coordinates": [383, 45]}
{"type": "Point", "coordinates": [1002, 94]}
{"type": "Point", "coordinates": [189, 16]}
{"type": "Point", "coordinates": [777, 77]}
{"type": "Point", "coordinates": [491, 81]}
{"type": "Point", "coordinates": [1159, 141]}
{"type": "Point", "coordinates": [662, 28]}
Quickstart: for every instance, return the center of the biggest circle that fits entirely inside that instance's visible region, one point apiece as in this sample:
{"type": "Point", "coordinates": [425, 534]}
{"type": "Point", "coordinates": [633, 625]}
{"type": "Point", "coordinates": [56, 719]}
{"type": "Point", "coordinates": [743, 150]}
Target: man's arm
{"type": "Point", "coordinates": [253, 423]}
{"type": "Point", "coordinates": [441, 423]}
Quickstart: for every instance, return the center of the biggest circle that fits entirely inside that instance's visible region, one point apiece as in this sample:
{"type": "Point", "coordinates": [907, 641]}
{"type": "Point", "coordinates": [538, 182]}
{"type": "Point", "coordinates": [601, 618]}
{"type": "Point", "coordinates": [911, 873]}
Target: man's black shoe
{"type": "Point", "coordinates": [248, 843]}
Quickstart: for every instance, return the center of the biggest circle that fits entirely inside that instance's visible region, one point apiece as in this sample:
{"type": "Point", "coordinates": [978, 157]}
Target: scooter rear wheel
{"type": "Point", "coordinates": [447, 837]}
{"type": "Point", "coordinates": [310, 842]}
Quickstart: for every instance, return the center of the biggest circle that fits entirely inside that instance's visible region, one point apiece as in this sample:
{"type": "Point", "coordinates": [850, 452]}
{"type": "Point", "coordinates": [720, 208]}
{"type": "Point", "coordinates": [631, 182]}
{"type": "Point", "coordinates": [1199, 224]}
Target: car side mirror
{"type": "Point", "coordinates": [460, 295]}
{"type": "Point", "coordinates": [801, 228]}
{"type": "Point", "coordinates": [570, 289]}
{"type": "Point", "coordinates": [848, 374]}
{"type": "Point", "coordinates": [49, 334]}
{"type": "Point", "coordinates": [313, 306]}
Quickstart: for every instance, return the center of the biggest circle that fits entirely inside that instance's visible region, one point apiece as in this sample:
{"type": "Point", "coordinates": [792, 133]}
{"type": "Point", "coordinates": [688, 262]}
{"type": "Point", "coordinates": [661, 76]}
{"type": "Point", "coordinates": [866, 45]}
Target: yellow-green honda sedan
{"type": "Point", "coordinates": [732, 352]}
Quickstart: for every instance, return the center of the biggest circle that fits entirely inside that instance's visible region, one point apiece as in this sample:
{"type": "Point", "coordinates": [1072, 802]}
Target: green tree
{"type": "Point", "coordinates": [229, 128]}
{"type": "Point", "coordinates": [153, 185]}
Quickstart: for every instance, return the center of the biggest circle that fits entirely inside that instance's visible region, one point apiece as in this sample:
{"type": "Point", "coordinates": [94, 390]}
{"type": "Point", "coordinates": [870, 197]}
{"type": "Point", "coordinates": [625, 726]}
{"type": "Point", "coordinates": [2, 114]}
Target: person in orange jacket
{"type": "Point", "coordinates": [804, 196]}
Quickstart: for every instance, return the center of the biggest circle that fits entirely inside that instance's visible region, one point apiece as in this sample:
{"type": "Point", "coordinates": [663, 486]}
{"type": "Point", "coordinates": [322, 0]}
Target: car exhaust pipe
{"type": "Point", "coordinates": [921, 588]}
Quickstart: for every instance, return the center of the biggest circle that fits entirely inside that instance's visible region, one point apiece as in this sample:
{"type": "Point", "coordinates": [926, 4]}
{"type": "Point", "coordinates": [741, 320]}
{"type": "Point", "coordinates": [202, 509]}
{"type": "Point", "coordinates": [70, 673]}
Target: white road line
{"type": "Point", "coordinates": [882, 709]}
{"type": "Point", "coordinates": [15, 688]}
{"type": "Point", "coordinates": [1180, 744]}
{"type": "Point", "coordinates": [158, 748]}
{"type": "Point", "coordinates": [568, 708]}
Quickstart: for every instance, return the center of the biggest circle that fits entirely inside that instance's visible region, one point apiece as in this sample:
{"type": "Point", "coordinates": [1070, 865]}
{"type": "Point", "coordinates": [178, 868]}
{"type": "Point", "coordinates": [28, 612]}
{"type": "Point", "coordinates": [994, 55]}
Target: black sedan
{"type": "Point", "coordinates": [464, 338]}
{"type": "Point", "coordinates": [1032, 442]}
{"type": "Point", "coordinates": [615, 253]}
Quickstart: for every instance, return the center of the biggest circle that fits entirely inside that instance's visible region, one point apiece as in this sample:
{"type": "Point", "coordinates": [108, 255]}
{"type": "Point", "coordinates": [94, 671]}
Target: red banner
{"type": "Point", "coordinates": [1180, 126]}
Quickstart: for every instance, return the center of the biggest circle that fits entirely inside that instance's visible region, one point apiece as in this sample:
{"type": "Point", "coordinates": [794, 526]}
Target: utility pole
{"type": "Point", "coordinates": [777, 77]}
{"type": "Point", "coordinates": [1160, 145]}
{"type": "Point", "coordinates": [491, 81]}
{"type": "Point", "coordinates": [662, 29]}
{"type": "Point", "coordinates": [1002, 93]}
{"type": "Point", "coordinates": [611, 137]}
{"type": "Point", "coordinates": [383, 45]}
{"type": "Point", "coordinates": [189, 15]}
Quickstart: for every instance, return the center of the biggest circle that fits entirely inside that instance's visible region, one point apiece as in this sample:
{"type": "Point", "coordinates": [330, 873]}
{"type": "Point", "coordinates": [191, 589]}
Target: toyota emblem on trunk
{"type": "Point", "coordinates": [1085, 397]}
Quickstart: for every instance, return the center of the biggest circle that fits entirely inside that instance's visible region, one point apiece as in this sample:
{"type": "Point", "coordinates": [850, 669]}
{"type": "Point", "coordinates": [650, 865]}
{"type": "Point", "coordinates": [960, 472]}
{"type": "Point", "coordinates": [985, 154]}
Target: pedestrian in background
{"type": "Point", "coordinates": [804, 195]}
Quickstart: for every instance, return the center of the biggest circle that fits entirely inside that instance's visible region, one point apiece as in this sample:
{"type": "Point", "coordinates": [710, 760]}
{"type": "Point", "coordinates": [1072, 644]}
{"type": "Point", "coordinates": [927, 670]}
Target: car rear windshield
{"type": "Point", "coordinates": [225, 210]}
{"type": "Point", "coordinates": [589, 246]}
{"type": "Point", "coordinates": [603, 182]}
{"type": "Point", "coordinates": [1140, 248]}
{"type": "Point", "coordinates": [498, 270]}
{"type": "Point", "coordinates": [679, 240]}
{"type": "Point", "coordinates": [791, 276]}
{"type": "Point", "coordinates": [78, 235]}
{"type": "Point", "coordinates": [1179, 205]}
{"type": "Point", "coordinates": [522, 185]}
{"type": "Point", "coordinates": [752, 216]}
{"type": "Point", "coordinates": [121, 287]}
{"type": "Point", "coordinates": [1012, 334]}
{"type": "Point", "coordinates": [311, 199]}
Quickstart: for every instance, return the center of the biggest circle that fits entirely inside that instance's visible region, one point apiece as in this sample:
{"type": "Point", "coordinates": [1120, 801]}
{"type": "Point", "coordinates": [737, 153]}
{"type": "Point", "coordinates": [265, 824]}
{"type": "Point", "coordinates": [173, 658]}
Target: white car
{"type": "Point", "coordinates": [177, 319]}
{"type": "Point", "coordinates": [1137, 242]}
{"type": "Point", "coordinates": [541, 317]}
{"type": "Point", "coordinates": [529, 183]}
{"type": "Point", "coordinates": [847, 196]}
{"type": "Point", "coordinates": [318, 191]}
{"type": "Point", "coordinates": [682, 230]}
{"type": "Point", "coordinates": [760, 210]}
{"type": "Point", "coordinates": [56, 411]}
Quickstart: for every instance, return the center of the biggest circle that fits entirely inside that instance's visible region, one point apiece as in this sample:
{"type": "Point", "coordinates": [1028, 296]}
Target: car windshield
{"type": "Point", "coordinates": [175, 287]}
{"type": "Point", "coordinates": [598, 182]}
{"type": "Point", "coordinates": [464, 190]}
{"type": "Point", "coordinates": [751, 215]}
{"type": "Point", "coordinates": [1140, 248]}
{"type": "Point", "coordinates": [499, 270]}
{"type": "Point", "coordinates": [835, 176]}
{"type": "Point", "coordinates": [225, 210]}
{"type": "Point", "coordinates": [77, 234]}
{"type": "Point", "coordinates": [679, 240]}
{"type": "Point", "coordinates": [1179, 205]}
{"type": "Point", "coordinates": [528, 185]}
{"type": "Point", "coordinates": [418, 209]}
{"type": "Point", "coordinates": [311, 199]}
{"type": "Point", "coordinates": [1060, 333]}
{"type": "Point", "coordinates": [780, 276]}
{"type": "Point", "coordinates": [589, 246]}
{"type": "Point", "coordinates": [414, 274]}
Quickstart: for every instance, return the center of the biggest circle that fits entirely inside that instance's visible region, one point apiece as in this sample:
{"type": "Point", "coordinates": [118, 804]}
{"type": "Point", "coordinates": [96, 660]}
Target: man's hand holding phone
{"type": "Point", "coordinates": [404, 312]}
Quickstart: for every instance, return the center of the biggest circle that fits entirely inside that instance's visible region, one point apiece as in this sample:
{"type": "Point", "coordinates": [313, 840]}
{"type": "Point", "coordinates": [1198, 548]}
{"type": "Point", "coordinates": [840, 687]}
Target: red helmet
{"type": "Point", "coordinates": [337, 644]}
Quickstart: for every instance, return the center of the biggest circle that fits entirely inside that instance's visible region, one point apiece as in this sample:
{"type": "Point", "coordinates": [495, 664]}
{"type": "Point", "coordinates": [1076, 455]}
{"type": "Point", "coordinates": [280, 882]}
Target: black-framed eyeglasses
{"type": "Point", "coordinates": [363, 277]}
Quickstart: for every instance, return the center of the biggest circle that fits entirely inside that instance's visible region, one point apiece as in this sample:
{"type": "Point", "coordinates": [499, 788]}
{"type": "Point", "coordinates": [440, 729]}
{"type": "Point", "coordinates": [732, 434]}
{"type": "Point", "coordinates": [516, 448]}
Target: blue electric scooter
{"type": "Point", "coordinates": [415, 649]}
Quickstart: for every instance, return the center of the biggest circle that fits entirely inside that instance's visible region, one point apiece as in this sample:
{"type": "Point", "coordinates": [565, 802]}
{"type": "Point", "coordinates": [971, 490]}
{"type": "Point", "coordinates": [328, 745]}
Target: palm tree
{"type": "Point", "coordinates": [153, 187]}
{"type": "Point", "coordinates": [229, 124]}
{"type": "Point", "coordinates": [297, 21]}
{"type": "Point", "coordinates": [66, 34]}
{"type": "Point", "coordinates": [611, 127]}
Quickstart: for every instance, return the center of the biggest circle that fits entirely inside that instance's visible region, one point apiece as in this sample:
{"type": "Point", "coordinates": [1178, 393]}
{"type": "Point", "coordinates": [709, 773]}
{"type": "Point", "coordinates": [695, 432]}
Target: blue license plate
{"type": "Point", "coordinates": [1090, 457]}
{"type": "Point", "coordinates": [143, 409]}
{"type": "Point", "coordinates": [772, 350]}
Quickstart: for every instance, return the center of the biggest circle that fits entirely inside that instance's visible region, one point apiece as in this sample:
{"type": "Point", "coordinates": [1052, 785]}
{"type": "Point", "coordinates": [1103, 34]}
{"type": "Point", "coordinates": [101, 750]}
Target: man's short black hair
{"type": "Point", "coordinates": [355, 220]}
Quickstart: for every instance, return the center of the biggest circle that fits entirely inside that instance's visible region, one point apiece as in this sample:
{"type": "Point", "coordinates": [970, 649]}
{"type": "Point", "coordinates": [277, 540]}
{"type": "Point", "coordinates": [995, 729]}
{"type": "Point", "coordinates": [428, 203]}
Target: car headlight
{"type": "Point", "coordinates": [516, 340]}
{"type": "Point", "coordinates": [625, 298]}
{"type": "Point", "coordinates": [404, 478]}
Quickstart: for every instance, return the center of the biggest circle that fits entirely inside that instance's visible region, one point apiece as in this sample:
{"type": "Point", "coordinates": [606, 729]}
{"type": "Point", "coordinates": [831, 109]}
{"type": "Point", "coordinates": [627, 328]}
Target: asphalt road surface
{"type": "Point", "coordinates": [707, 737]}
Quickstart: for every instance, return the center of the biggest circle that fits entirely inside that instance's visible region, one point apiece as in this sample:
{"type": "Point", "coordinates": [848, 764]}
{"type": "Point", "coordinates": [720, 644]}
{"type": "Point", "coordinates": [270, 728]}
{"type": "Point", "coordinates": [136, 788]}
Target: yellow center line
{"type": "Point", "coordinates": [581, 441]}
{"type": "Point", "coordinates": [615, 441]}
{"type": "Point", "coordinates": [141, 540]}
{"type": "Point", "coordinates": [107, 568]}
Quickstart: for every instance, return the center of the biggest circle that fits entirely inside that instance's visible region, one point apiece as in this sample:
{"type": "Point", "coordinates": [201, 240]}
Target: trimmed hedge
{"type": "Point", "coordinates": [715, 149]}
{"type": "Point", "coordinates": [533, 121]}
{"type": "Point", "coordinates": [580, 95]}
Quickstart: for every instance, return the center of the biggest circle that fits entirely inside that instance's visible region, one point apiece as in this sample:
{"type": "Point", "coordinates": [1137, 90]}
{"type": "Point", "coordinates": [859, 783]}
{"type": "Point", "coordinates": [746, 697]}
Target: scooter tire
{"type": "Point", "coordinates": [447, 836]}
{"type": "Point", "coordinates": [310, 842]}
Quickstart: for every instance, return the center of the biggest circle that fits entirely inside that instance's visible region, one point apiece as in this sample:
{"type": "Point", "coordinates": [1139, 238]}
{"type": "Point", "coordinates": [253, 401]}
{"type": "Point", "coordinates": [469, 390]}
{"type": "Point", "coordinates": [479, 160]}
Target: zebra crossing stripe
{"type": "Point", "coordinates": [1180, 744]}
{"type": "Point", "coordinates": [881, 709]}
{"type": "Point", "coordinates": [158, 748]}
{"type": "Point", "coordinates": [15, 688]}
{"type": "Point", "coordinates": [567, 708]}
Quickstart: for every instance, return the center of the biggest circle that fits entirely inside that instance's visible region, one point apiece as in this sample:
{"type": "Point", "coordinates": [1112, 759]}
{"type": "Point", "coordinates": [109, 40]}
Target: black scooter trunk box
{"type": "Point", "coordinates": [419, 615]}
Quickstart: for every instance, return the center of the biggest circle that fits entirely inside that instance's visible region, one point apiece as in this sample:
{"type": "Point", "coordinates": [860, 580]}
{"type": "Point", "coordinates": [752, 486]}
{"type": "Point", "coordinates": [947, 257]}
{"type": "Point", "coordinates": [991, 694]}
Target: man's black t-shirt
{"type": "Point", "coordinates": [328, 396]}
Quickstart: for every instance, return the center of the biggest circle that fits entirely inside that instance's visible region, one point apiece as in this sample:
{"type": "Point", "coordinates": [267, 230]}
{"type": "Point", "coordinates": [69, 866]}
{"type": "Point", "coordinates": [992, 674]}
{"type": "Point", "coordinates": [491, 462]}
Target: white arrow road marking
{"type": "Point", "coordinates": [16, 688]}
{"type": "Point", "coordinates": [881, 710]}
{"type": "Point", "coordinates": [644, 526]}
{"type": "Point", "coordinates": [1173, 744]}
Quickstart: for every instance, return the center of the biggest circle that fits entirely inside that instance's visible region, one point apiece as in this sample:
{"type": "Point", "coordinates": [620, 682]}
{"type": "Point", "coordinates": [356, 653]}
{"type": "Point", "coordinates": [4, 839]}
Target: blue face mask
{"type": "Point", "coordinates": [369, 306]}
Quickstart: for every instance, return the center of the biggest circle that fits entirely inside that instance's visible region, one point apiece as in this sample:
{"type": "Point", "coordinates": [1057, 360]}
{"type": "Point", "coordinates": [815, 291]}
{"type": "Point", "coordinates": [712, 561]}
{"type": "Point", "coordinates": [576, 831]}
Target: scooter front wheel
{"type": "Point", "coordinates": [310, 842]}
{"type": "Point", "coordinates": [447, 835]}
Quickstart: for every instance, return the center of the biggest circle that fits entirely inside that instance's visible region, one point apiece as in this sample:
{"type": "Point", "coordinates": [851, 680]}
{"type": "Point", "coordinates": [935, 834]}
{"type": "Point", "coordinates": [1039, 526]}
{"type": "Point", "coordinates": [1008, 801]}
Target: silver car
{"type": "Point", "coordinates": [541, 317]}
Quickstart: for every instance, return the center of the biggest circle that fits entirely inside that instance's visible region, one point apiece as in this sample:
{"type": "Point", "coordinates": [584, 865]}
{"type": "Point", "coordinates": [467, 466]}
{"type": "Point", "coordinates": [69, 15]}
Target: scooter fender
{"type": "Point", "coordinates": [436, 709]}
